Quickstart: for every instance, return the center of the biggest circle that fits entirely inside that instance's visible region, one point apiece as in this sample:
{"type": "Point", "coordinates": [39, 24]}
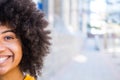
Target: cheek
{"type": "Point", "coordinates": [16, 50]}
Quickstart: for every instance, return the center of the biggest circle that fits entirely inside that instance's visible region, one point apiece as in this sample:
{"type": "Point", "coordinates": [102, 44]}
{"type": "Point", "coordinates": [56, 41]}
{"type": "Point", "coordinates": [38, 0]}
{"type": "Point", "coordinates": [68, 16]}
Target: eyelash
{"type": "Point", "coordinates": [8, 37]}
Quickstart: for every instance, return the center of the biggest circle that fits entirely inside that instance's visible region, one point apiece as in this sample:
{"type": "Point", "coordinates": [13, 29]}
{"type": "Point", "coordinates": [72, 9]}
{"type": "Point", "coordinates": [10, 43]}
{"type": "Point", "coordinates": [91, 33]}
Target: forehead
{"type": "Point", "coordinates": [4, 28]}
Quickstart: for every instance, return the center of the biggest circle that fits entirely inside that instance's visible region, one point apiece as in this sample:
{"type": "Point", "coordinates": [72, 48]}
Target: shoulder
{"type": "Point", "coordinates": [28, 77]}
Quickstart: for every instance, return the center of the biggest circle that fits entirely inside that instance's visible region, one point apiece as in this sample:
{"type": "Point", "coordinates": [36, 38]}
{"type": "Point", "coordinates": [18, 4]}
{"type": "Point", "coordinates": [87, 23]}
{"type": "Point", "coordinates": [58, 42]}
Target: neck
{"type": "Point", "coordinates": [15, 74]}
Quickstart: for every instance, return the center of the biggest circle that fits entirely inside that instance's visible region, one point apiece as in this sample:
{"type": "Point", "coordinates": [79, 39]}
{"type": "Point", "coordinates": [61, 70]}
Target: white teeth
{"type": "Point", "coordinates": [2, 59]}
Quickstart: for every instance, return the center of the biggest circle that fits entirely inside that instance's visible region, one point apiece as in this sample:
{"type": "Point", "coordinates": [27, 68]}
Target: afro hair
{"type": "Point", "coordinates": [29, 24]}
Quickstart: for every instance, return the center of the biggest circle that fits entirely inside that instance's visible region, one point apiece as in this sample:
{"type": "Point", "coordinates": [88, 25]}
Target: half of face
{"type": "Point", "coordinates": [10, 51]}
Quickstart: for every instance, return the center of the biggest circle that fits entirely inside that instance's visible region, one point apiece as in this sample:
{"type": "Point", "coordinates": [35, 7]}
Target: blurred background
{"type": "Point", "coordinates": [85, 39]}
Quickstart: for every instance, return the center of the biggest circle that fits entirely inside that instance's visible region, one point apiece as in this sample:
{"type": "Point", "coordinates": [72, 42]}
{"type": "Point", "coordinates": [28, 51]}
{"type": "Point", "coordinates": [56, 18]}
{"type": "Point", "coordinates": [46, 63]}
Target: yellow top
{"type": "Point", "coordinates": [28, 77]}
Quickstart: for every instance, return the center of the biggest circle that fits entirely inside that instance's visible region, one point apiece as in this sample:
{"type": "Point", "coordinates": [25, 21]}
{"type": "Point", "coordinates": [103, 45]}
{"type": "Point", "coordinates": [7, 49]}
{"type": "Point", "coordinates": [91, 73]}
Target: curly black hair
{"type": "Point", "coordinates": [29, 24]}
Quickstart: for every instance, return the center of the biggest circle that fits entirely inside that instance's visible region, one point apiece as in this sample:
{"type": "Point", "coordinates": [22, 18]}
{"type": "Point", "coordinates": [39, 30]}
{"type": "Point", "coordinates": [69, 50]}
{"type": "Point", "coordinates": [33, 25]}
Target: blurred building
{"type": "Point", "coordinates": [80, 15]}
{"type": "Point", "coordinates": [71, 21]}
{"type": "Point", "coordinates": [113, 11]}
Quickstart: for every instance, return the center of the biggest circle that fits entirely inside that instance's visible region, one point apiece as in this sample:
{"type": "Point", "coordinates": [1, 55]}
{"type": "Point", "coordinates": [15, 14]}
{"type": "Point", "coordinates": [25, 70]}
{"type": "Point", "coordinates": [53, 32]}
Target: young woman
{"type": "Point", "coordinates": [23, 40]}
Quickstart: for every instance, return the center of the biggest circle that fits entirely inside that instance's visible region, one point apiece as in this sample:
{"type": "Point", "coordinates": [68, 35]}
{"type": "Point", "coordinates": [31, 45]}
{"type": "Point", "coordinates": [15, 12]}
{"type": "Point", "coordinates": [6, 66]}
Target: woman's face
{"type": "Point", "coordinates": [10, 51]}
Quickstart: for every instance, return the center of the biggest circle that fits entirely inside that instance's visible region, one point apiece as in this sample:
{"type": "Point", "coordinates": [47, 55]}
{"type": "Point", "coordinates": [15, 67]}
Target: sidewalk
{"type": "Point", "coordinates": [89, 65]}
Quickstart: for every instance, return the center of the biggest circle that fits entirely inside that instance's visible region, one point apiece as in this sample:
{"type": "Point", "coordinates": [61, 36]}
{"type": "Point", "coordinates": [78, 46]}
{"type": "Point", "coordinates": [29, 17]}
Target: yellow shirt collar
{"type": "Point", "coordinates": [28, 77]}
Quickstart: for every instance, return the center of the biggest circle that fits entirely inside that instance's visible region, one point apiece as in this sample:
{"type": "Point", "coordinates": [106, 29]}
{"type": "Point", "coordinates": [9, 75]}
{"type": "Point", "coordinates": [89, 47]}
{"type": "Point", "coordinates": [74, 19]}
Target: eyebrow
{"type": "Point", "coordinates": [7, 31]}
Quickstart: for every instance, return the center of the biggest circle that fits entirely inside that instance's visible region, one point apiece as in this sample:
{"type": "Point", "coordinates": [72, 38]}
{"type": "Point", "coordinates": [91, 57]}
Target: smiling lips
{"type": "Point", "coordinates": [4, 58]}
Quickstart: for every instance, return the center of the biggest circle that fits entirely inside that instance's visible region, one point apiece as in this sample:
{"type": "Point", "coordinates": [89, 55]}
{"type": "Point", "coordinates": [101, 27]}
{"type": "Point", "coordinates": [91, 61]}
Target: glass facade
{"type": "Point", "coordinates": [87, 16]}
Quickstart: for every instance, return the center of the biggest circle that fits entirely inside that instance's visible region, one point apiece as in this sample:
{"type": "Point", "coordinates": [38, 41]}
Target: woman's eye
{"type": "Point", "coordinates": [8, 38]}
